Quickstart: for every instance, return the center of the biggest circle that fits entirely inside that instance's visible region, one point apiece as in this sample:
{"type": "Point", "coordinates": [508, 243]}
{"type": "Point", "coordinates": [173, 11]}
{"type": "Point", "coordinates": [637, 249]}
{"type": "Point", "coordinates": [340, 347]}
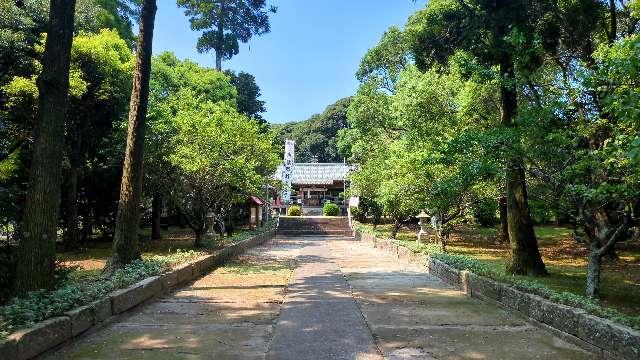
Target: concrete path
{"type": "Point", "coordinates": [413, 315]}
{"type": "Point", "coordinates": [228, 314]}
{"type": "Point", "coordinates": [319, 318]}
{"type": "Point", "coordinates": [345, 300]}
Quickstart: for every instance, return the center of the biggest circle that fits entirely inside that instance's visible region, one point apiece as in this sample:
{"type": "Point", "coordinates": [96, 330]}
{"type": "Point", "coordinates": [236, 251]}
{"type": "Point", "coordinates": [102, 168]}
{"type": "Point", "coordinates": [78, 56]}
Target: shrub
{"type": "Point", "coordinates": [357, 214]}
{"type": "Point", "coordinates": [294, 210]}
{"type": "Point", "coordinates": [484, 212]}
{"type": "Point", "coordinates": [541, 212]}
{"type": "Point", "coordinates": [330, 209]}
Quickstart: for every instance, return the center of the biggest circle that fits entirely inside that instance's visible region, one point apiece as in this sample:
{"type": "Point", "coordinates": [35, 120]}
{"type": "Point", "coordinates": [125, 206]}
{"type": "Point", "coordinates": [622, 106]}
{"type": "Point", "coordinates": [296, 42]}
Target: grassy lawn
{"type": "Point", "coordinates": [564, 257]}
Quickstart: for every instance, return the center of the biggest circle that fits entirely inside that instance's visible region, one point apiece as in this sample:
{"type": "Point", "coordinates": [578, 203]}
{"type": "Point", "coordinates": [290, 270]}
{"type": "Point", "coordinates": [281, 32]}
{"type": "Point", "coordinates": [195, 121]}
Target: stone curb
{"type": "Point", "coordinates": [600, 333]}
{"type": "Point", "coordinates": [604, 335]}
{"type": "Point", "coordinates": [43, 336]}
{"type": "Point", "coordinates": [400, 252]}
{"type": "Point", "coordinates": [46, 335]}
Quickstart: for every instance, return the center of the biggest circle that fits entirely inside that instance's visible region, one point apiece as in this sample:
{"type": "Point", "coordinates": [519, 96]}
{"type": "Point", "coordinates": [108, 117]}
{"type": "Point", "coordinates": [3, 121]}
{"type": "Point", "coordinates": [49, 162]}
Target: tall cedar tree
{"type": "Point", "coordinates": [125, 242]}
{"type": "Point", "coordinates": [483, 27]}
{"type": "Point", "coordinates": [226, 22]}
{"type": "Point", "coordinates": [36, 251]}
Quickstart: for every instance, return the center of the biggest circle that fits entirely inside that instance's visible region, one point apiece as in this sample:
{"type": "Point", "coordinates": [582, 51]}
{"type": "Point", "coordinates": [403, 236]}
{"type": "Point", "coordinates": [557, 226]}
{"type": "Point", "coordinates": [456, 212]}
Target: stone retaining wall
{"type": "Point", "coordinates": [30, 342]}
{"type": "Point", "coordinates": [611, 339]}
{"type": "Point", "coordinates": [400, 252]}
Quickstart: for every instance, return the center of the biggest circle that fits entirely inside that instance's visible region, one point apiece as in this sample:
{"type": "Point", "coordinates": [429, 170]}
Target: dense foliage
{"type": "Point", "coordinates": [316, 137]}
{"type": "Point", "coordinates": [248, 99]}
{"type": "Point", "coordinates": [477, 101]}
{"type": "Point", "coordinates": [204, 128]}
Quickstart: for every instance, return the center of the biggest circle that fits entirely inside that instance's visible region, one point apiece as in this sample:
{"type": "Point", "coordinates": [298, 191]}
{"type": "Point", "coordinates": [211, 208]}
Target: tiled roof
{"type": "Point", "coordinates": [256, 200]}
{"type": "Point", "coordinates": [316, 173]}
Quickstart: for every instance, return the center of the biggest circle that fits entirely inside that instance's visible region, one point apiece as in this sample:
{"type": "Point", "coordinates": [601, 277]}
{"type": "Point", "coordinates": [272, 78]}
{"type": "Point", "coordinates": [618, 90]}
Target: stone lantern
{"type": "Point", "coordinates": [209, 223]}
{"type": "Point", "coordinates": [423, 217]}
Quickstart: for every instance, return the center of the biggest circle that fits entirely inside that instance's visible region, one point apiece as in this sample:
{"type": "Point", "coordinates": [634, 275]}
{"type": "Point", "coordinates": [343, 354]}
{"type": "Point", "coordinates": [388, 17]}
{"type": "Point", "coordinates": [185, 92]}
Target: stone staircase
{"type": "Point", "coordinates": [314, 225]}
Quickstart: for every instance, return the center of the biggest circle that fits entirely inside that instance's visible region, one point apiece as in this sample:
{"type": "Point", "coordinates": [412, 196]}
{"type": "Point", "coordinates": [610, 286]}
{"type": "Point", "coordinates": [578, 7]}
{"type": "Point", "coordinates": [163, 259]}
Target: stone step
{"type": "Point", "coordinates": [345, 233]}
{"type": "Point", "coordinates": [311, 225]}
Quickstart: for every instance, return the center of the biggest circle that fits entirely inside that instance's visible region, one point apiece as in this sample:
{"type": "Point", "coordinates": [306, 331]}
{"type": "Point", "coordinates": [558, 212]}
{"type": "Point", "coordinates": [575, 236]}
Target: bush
{"type": "Point", "coordinates": [330, 209]}
{"type": "Point", "coordinates": [541, 212]}
{"type": "Point", "coordinates": [484, 212]}
{"type": "Point", "coordinates": [370, 208]}
{"type": "Point", "coordinates": [294, 210]}
{"type": "Point", "coordinates": [357, 214]}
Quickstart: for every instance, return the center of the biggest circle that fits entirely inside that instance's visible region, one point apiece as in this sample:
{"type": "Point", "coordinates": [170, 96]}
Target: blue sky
{"type": "Point", "coordinates": [309, 59]}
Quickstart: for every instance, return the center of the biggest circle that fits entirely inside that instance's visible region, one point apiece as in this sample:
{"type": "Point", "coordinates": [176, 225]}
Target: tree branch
{"type": "Point", "coordinates": [614, 238]}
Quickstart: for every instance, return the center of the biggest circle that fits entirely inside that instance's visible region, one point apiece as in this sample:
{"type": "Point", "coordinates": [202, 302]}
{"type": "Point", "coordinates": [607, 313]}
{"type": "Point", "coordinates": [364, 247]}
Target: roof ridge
{"type": "Point", "coordinates": [297, 163]}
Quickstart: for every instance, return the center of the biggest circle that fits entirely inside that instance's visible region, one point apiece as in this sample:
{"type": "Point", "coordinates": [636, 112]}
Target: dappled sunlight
{"type": "Point", "coordinates": [227, 314]}
{"type": "Point", "coordinates": [147, 342]}
{"type": "Point", "coordinates": [565, 259]}
{"type": "Point", "coordinates": [473, 355]}
{"type": "Point", "coordinates": [413, 314]}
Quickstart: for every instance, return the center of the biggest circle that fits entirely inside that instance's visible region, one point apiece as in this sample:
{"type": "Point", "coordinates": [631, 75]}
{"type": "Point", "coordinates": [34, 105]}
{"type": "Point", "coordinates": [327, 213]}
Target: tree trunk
{"type": "Point", "coordinates": [503, 233]}
{"type": "Point", "coordinates": [87, 225]}
{"type": "Point", "coordinates": [230, 225]}
{"type": "Point", "coordinates": [220, 37]}
{"type": "Point", "coordinates": [593, 274]}
{"type": "Point", "coordinates": [75, 135]}
{"type": "Point", "coordinates": [526, 259]}
{"type": "Point", "coordinates": [396, 227]}
{"type": "Point", "coordinates": [36, 251]}
{"type": "Point", "coordinates": [613, 22]}
{"type": "Point", "coordinates": [125, 241]}
{"type": "Point", "coordinates": [156, 216]}
{"type": "Point", "coordinates": [219, 60]}
{"type": "Point", "coordinates": [71, 234]}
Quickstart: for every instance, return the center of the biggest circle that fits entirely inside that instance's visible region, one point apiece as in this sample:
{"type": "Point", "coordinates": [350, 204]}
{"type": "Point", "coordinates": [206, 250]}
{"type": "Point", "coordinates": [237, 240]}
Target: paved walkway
{"type": "Point", "coordinates": [344, 300]}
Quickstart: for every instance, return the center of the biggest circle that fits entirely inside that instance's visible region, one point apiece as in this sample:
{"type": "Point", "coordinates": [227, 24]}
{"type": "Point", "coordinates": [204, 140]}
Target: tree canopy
{"type": "Point", "coordinates": [478, 100]}
{"type": "Point", "coordinates": [316, 137]}
{"type": "Point", "coordinates": [226, 23]}
{"type": "Point", "coordinates": [248, 99]}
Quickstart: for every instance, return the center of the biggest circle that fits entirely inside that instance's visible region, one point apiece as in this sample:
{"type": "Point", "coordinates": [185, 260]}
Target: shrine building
{"type": "Point", "coordinates": [310, 185]}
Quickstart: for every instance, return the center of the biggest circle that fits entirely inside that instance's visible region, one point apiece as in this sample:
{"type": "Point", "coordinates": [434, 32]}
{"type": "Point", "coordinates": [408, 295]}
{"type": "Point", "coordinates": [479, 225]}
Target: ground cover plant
{"type": "Point", "coordinates": [83, 281]}
{"type": "Point", "coordinates": [77, 291]}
